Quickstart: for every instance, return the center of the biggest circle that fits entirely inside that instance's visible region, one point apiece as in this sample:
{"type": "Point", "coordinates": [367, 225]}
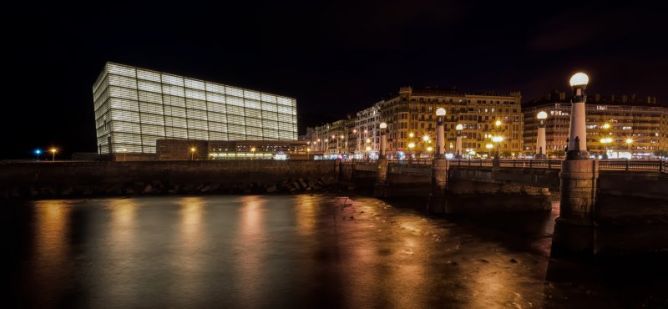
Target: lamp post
{"type": "Point", "coordinates": [383, 139]}
{"type": "Point", "coordinates": [38, 153]}
{"type": "Point", "coordinates": [53, 151]}
{"type": "Point", "coordinates": [440, 131]}
{"type": "Point", "coordinates": [605, 141]}
{"type": "Point", "coordinates": [629, 142]}
{"type": "Point", "coordinates": [439, 168]}
{"type": "Point", "coordinates": [575, 230]}
{"type": "Point", "coordinates": [577, 136]}
{"type": "Point", "coordinates": [541, 143]}
{"type": "Point", "coordinates": [192, 153]}
{"type": "Point", "coordinates": [458, 144]}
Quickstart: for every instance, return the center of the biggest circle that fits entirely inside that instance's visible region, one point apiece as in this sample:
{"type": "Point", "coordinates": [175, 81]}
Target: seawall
{"type": "Point", "coordinates": [66, 179]}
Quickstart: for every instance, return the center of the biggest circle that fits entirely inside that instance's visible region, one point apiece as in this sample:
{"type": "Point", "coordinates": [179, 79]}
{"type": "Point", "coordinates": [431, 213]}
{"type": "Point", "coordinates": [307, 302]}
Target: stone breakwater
{"type": "Point", "coordinates": [75, 179]}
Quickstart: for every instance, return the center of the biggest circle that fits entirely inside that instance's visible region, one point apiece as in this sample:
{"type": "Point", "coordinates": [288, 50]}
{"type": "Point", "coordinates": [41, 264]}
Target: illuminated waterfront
{"type": "Point", "coordinates": [293, 251]}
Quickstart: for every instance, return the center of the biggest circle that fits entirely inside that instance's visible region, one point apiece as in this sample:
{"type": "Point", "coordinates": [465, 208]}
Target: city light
{"type": "Point", "coordinates": [383, 125]}
{"type": "Point", "coordinates": [368, 140]}
{"type": "Point", "coordinates": [53, 151]}
{"type": "Point", "coordinates": [354, 131]}
{"type": "Point", "coordinates": [489, 146]}
{"type": "Point", "coordinates": [426, 138]}
{"type": "Point", "coordinates": [37, 152]}
{"type": "Point", "coordinates": [606, 140]}
{"type": "Point", "coordinates": [192, 153]}
{"type": "Point", "coordinates": [541, 115]}
{"type": "Point", "coordinates": [411, 145]}
{"type": "Point", "coordinates": [411, 134]}
{"type": "Point", "coordinates": [440, 112]}
{"type": "Point", "coordinates": [498, 123]}
{"type": "Point", "coordinates": [368, 148]}
{"type": "Point", "coordinates": [579, 79]}
{"type": "Point", "coordinates": [629, 141]}
{"type": "Point", "coordinates": [606, 126]}
{"type": "Point", "coordinates": [430, 149]}
{"type": "Point", "coordinates": [459, 127]}
{"type": "Point", "coordinates": [497, 139]}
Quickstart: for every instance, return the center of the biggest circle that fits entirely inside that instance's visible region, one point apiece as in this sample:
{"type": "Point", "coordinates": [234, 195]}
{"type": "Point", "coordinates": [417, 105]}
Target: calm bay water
{"type": "Point", "coordinates": [293, 251]}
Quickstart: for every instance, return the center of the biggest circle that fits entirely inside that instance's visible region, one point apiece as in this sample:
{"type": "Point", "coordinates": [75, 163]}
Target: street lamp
{"type": "Point", "coordinates": [192, 153]}
{"type": "Point", "coordinates": [383, 139]}
{"type": "Point", "coordinates": [577, 137]}
{"type": "Point", "coordinates": [629, 142]}
{"type": "Point", "coordinates": [458, 145]}
{"type": "Point", "coordinates": [53, 151]}
{"type": "Point", "coordinates": [541, 143]}
{"type": "Point", "coordinates": [440, 131]}
{"type": "Point", "coordinates": [38, 153]}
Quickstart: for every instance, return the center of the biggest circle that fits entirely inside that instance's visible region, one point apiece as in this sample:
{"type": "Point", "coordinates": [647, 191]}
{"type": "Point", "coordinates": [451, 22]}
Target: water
{"type": "Point", "coordinates": [293, 251]}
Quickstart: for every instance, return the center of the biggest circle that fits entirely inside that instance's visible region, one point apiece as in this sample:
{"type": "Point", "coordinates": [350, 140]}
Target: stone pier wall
{"type": "Point", "coordinates": [53, 179]}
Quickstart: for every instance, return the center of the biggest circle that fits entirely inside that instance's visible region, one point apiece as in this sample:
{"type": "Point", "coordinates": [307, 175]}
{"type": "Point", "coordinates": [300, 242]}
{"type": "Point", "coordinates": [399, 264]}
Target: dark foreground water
{"type": "Point", "coordinates": [298, 251]}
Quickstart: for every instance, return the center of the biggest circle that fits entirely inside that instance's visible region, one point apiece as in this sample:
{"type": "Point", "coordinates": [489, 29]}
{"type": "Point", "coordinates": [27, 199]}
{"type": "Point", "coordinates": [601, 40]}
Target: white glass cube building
{"type": "Point", "coordinates": [134, 107]}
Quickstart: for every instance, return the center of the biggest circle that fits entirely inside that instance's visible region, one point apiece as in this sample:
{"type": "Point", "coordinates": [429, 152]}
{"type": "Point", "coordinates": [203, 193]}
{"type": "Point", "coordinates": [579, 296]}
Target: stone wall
{"type": "Point", "coordinates": [49, 179]}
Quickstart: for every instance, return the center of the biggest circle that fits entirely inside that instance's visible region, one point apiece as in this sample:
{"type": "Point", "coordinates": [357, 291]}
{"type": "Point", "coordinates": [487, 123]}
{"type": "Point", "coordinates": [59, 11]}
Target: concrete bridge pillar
{"type": "Point", "coordinates": [439, 168]}
{"type": "Point", "coordinates": [574, 232]}
{"type": "Point", "coordinates": [380, 189]}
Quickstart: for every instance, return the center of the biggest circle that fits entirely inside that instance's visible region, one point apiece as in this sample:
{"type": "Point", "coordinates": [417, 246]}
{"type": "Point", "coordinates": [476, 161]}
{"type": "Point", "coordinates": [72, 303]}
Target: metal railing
{"type": "Point", "coordinates": [604, 165]}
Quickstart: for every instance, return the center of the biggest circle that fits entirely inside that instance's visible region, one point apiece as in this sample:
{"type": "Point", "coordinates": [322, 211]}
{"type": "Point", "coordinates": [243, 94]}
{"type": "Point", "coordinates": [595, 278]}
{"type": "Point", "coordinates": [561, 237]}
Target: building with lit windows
{"type": "Point", "coordinates": [617, 126]}
{"type": "Point", "coordinates": [135, 107]}
{"type": "Point", "coordinates": [411, 120]}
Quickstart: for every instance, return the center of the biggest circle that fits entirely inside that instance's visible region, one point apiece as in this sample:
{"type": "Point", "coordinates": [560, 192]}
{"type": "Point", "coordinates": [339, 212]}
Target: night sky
{"type": "Point", "coordinates": [335, 57]}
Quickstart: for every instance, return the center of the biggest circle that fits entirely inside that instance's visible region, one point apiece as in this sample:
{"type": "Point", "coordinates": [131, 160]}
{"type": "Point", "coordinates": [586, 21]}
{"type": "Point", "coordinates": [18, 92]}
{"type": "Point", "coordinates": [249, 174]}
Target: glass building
{"type": "Point", "coordinates": [135, 107]}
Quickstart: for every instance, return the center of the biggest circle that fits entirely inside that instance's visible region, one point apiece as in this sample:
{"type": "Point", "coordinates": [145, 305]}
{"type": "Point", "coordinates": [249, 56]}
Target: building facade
{"type": "Point", "coordinates": [135, 107]}
{"type": "Point", "coordinates": [411, 120]}
{"type": "Point", "coordinates": [617, 126]}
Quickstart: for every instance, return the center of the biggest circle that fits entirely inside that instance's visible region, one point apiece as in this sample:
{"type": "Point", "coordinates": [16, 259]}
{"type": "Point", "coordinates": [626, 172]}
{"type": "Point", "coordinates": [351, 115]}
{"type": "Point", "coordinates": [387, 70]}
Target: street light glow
{"type": "Point", "coordinates": [426, 138]}
{"type": "Point", "coordinates": [497, 138]}
{"type": "Point", "coordinates": [411, 134]}
{"type": "Point", "coordinates": [579, 79]}
{"type": "Point", "coordinates": [459, 127]}
{"type": "Point", "coordinates": [541, 115]}
{"type": "Point", "coordinates": [498, 123]}
{"type": "Point", "coordinates": [489, 146]}
{"type": "Point", "coordinates": [440, 111]}
{"type": "Point", "coordinates": [383, 125]}
{"type": "Point", "coordinates": [430, 149]}
{"type": "Point", "coordinates": [606, 126]}
{"type": "Point", "coordinates": [629, 141]}
{"type": "Point", "coordinates": [38, 151]}
{"type": "Point", "coordinates": [411, 145]}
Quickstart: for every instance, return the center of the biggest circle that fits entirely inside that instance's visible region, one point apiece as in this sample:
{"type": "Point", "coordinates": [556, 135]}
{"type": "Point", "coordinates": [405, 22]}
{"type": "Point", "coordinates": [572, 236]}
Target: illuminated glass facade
{"type": "Point", "coordinates": [135, 107]}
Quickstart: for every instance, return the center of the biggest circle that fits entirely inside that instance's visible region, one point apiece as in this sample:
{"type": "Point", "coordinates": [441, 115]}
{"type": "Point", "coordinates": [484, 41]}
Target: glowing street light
{"type": "Point", "coordinates": [440, 132]}
{"type": "Point", "coordinates": [579, 79]}
{"type": "Point", "coordinates": [458, 145]}
{"type": "Point", "coordinates": [53, 151]}
{"type": "Point", "coordinates": [383, 139]}
{"type": "Point", "coordinates": [498, 123]}
{"type": "Point", "coordinates": [37, 152]}
{"type": "Point", "coordinates": [426, 138]}
{"type": "Point", "coordinates": [489, 146]}
{"type": "Point", "coordinates": [411, 145]}
{"type": "Point", "coordinates": [577, 137]}
{"type": "Point", "coordinates": [629, 141]}
{"type": "Point", "coordinates": [606, 126]}
{"type": "Point", "coordinates": [193, 150]}
{"type": "Point", "coordinates": [411, 134]}
{"type": "Point", "coordinates": [430, 149]}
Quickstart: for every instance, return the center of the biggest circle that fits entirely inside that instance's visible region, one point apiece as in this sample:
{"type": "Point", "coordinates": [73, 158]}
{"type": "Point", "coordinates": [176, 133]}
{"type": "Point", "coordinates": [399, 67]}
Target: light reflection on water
{"type": "Point", "coordinates": [281, 251]}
